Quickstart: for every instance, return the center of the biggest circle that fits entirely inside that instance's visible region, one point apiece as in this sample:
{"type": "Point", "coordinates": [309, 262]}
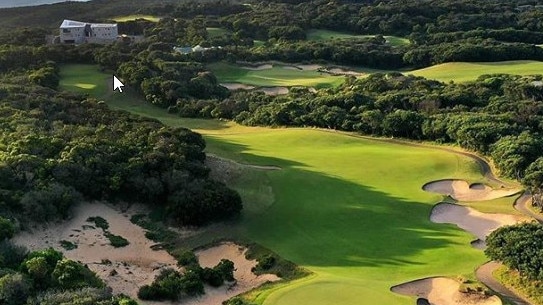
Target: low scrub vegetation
{"type": "Point", "coordinates": [172, 285]}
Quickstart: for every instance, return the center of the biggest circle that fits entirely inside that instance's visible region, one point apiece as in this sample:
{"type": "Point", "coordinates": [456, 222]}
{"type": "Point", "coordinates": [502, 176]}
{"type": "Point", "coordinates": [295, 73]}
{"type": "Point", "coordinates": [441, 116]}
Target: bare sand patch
{"type": "Point", "coordinates": [291, 68]}
{"type": "Point", "coordinates": [257, 68]}
{"type": "Point", "coordinates": [477, 223]}
{"type": "Point", "coordinates": [245, 278]}
{"type": "Point", "coordinates": [462, 191]}
{"type": "Point", "coordinates": [339, 71]}
{"type": "Point", "coordinates": [309, 67]}
{"type": "Point", "coordinates": [274, 90]}
{"type": "Point", "coordinates": [123, 269]}
{"type": "Point", "coordinates": [237, 86]}
{"type": "Point", "coordinates": [443, 291]}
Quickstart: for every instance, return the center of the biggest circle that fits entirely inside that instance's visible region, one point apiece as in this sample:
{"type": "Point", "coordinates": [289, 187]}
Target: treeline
{"type": "Point", "coordinates": [57, 149]}
{"type": "Point", "coordinates": [47, 278]}
{"type": "Point", "coordinates": [479, 116]}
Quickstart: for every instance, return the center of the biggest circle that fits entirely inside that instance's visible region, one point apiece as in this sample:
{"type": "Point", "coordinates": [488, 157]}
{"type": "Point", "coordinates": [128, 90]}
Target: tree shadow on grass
{"type": "Point", "coordinates": [325, 221]}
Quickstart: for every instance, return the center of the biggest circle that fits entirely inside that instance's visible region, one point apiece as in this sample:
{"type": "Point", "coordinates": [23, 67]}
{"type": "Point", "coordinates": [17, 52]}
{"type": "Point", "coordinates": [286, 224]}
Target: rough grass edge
{"type": "Point", "coordinates": [529, 289]}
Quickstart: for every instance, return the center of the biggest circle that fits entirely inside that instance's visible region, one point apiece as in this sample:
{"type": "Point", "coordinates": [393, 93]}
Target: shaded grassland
{"type": "Point", "coordinates": [213, 32]}
{"type": "Point", "coordinates": [349, 209]}
{"type": "Point", "coordinates": [276, 76]}
{"type": "Point", "coordinates": [464, 71]}
{"type": "Point", "coordinates": [327, 35]}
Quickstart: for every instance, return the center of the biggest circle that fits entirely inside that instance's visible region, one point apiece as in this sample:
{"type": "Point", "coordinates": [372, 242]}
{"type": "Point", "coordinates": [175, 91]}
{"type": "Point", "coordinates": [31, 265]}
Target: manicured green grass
{"type": "Point", "coordinates": [327, 35]}
{"type": "Point", "coordinates": [217, 32]}
{"type": "Point", "coordinates": [276, 76]}
{"type": "Point", "coordinates": [464, 71]}
{"type": "Point", "coordinates": [350, 210]}
{"type": "Point", "coordinates": [134, 17]}
{"type": "Point", "coordinates": [86, 79]}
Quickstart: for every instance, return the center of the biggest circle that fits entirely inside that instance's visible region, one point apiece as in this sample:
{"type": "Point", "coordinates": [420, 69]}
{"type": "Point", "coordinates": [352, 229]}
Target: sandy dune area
{"type": "Point", "coordinates": [128, 268]}
{"type": "Point", "coordinates": [443, 291]}
{"type": "Point", "coordinates": [471, 220]}
{"type": "Point", "coordinates": [136, 264]}
{"type": "Point", "coordinates": [245, 279]}
{"type": "Point", "coordinates": [463, 191]}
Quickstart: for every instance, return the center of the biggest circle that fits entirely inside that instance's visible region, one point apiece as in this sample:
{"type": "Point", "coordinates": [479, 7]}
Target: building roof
{"type": "Point", "coordinates": [66, 24]}
{"type": "Point", "coordinates": [103, 25]}
{"type": "Point", "coordinates": [72, 24]}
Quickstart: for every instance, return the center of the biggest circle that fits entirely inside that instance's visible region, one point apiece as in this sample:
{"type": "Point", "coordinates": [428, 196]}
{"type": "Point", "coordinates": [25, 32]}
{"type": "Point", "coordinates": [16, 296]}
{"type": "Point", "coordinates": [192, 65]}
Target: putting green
{"type": "Point", "coordinates": [349, 209]}
{"type": "Point", "coordinates": [466, 71]}
{"type": "Point", "coordinates": [276, 76]}
{"type": "Point", "coordinates": [327, 35]}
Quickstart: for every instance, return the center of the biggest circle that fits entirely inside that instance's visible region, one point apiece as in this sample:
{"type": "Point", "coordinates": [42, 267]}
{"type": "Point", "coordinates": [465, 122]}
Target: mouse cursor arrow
{"type": "Point", "coordinates": [117, 84]}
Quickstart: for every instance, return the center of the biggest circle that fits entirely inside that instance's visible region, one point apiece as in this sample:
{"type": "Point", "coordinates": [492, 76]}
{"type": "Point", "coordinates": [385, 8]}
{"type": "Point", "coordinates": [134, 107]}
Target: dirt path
{"type": "Point", "coordinates": [484, 274]}
{"type": "Point", "coordinates": [521, 204]}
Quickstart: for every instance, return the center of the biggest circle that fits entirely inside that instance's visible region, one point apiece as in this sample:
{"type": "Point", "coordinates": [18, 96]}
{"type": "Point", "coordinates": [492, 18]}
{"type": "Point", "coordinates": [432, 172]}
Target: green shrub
{"type": "Point", "coordinates": [11, 255]}
{"type": "Point", "coordinates": [99, 222]}
{"type": "Point", "coordinates": [186, 258]}
{"type": "Point", "coordinates": [69, 275]}
{"type": "Point", "coordinates": [116, 240]}
{"type": "Point", "coordinates": [212, 277]}
{"type": "Point", "coordinates": [226, 269]}
{"type": "Point", "coordinates": [14, 289]}
{"type": "Point", "coordinates": [68, 245]}
{"type": "Point", "coordinates": [265, 263]}
{"type": "Point", "coordinates": [7, 229]}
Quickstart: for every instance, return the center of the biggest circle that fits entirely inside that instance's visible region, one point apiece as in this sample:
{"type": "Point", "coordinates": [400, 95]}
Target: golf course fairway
{"type": "Point", "coordinates": [349, 209]}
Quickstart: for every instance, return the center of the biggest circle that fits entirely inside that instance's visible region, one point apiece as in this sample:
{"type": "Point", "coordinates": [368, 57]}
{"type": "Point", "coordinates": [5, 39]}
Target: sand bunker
{"type": "Point", "coordinates": [245, 279]}
{"type": "Point", "coordinates": [309, 67]}
{"type": "Point", "coordinates": [123, 269]}
{"type": "Point", "coordinates": [339, 71]}
{"type": "Point", "coordinates": [274, 90]}
{"type": "Point", "coordinates": [257, 68]}
{"type": "Point", "coordinates": [237, 86]}
{"type": "Point", "coordinates": [471, 220]}
{"type": "Point", "coordinates": [443, 291]}
{"type": "Point", "coordinates": [462, 191]}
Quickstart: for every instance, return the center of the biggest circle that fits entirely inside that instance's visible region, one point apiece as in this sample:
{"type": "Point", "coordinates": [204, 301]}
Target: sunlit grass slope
{"type": "Point", "coordinates": [464, 71]}
{"type": "Point", "coordinates": [134, 17]}
{"type": "Point", "coordinates": [327, 35]}
{"type": "Point", "coordinates": [349, 209]}
{"type": "Point", "coordinates": [276, 76]}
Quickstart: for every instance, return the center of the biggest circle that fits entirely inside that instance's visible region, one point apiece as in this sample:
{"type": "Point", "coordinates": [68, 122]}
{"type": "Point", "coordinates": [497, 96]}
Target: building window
{"type": "Point", "coordinates": [65, 31]}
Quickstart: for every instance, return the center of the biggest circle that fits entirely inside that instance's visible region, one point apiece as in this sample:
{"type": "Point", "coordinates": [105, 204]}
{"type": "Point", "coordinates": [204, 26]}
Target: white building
{"type": "Point", "coordinates": [82, 32]}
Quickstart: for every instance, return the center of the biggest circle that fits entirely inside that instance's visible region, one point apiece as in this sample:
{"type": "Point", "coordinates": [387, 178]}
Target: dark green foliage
{"type": "Point", "coordinates": [269, 262]}
{"type": "Point", "coordinates": [68, 245]}
{"type": "Point", "coordinates": [11, 255]}
{"type": "Point", "coordinates": [7, 229]}
{"type": "Point", "coordinates": [116, 240]}
{"type": "Point", "coordinates": [265, 263]}
{"type": "Point", "coordinates": [14, 289]}
{"type": "Point", "coordinates": [69, 274]}
{"type": "Point", "coordinates": [170, 285]}
{"type": "Point", "coordinates": [64, 148]}
{"type": "Point", "coordinates": [212, 277]}
{"type": "Point", "coordinates": [519, 247]}
{"type": "Point", "coordinates": [185, 258]}
{"type": "Point", "coordinates": [99, 222]}
{"type": "Point", "coordinates": [225, 268]}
